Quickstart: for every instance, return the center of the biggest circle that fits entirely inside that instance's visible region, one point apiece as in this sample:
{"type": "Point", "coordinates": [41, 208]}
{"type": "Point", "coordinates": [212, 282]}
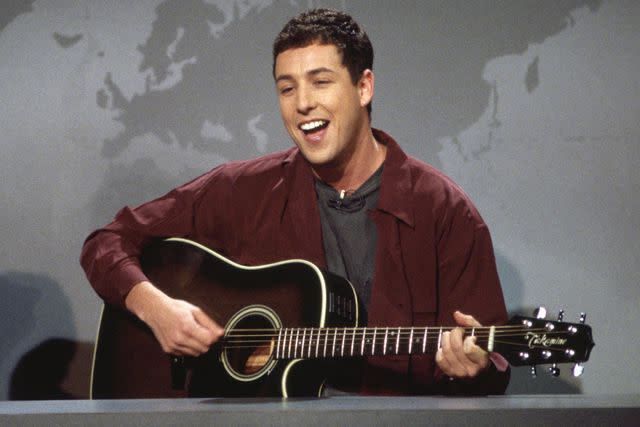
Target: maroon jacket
{"type": "Point", "coordinates": [434, 253]}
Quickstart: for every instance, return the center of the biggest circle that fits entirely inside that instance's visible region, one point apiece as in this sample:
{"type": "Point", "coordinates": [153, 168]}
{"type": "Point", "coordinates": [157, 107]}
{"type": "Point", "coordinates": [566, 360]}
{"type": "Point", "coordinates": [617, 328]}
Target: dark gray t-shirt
{"type": "Point", "coordinates": [348, 233]}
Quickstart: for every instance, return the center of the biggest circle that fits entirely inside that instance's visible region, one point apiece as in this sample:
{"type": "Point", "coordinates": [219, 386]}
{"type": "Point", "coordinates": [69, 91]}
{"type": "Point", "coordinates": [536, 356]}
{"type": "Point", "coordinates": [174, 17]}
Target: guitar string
{"type": "Point", "coordinates": [358, 339]}
{"type": "Point", "coordinates": [392, 340]}
{"type": "Point", "coordinates": [360, 328]}
{"type": "Point", "coordinates": [273, 333]}
{"type": "Point", "coordinates": [391, 350]}
{"type": "Point", "coordinates": [401, 328]}
{"type": "Point", "coordinates": [479, 331]}
{"type": "Point", "coordinates": [350, 339]}
{"type": "Point", "coordinates": [320, 338]}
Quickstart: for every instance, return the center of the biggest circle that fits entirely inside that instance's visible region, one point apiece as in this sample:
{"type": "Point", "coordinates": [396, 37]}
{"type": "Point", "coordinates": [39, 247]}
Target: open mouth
{"type": "Point", "coordinates": [313, 126]}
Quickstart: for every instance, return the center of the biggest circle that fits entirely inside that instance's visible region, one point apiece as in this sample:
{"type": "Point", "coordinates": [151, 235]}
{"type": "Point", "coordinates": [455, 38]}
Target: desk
{"type": "Point", "coordinates": [565, 410]}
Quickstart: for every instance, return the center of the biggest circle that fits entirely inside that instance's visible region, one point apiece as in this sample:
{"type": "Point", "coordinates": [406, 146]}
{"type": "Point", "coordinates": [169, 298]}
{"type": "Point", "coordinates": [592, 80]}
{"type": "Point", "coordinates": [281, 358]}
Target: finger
{"type": "Point", "coordinates": [456, 341]}
{"type": "Point", "coordinates": [185, 344]}
{"type": "Point", "coordinates": [187, 337]}
{"type": "Point", "coordinates": [463, 319]}
{"type": "Point", "coordinates": [206, 321]}
{"type": "Point", "coordinates": [454, 366]}
{"type": "Point", "coordinates": [209, 330]}
{"type": "Point", "coordinates": [198, 338]}
{"type": "Point", "coordinates": [443, 363]}
{"type": "Point", "coordinates": [464, 359]}
{"type": "Point", "coordinates": [178, 347]}
{"type": "Point", "coordinates": [458, 358]}
{"type": "Point", "coordinates": [475, 354]}
{"type": "Point", "coordinates": [196, 345]}
{"type": "Point", "coordinates": [184, 350]}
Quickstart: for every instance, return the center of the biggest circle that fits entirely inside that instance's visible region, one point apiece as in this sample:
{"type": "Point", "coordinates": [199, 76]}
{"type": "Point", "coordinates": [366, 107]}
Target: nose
{"type": "Point", "coordinates": [305, 100]}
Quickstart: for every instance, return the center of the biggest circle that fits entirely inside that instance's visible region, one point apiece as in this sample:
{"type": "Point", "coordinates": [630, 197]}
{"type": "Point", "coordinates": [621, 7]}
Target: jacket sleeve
{"type": "Point", "coordinates": [110, 255]}
{"type": "Point", "coordinates": [469, 282]}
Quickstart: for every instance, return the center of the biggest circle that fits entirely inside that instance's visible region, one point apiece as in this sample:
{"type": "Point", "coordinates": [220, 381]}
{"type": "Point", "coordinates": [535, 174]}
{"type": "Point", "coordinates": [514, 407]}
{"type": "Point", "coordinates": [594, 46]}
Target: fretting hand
{"type": "Point", "coordinates": [459, 357]}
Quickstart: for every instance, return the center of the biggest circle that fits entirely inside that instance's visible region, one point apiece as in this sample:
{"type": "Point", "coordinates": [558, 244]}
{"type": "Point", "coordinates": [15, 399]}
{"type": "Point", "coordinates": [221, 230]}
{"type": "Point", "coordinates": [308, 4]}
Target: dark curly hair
{"type": "Point", "coordinates": [328, 26]}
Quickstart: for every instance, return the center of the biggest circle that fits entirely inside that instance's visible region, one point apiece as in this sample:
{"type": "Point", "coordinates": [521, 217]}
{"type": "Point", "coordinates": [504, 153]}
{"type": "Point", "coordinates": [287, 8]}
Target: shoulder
{"type": "Point", "coordinates": [418, 190]}
{"type": "Point", "coordinates": [253, 172]}
{"type": "Point", "coordinates": [263, 166]}
{"type": "Point", "coordinates": [427, 179]}
{"type": "Point", "coordinates": [433, 187]}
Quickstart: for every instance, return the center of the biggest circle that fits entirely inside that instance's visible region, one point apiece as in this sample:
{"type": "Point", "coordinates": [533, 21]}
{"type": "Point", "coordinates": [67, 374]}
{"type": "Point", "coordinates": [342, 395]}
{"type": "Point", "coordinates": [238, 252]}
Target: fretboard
{"type": "Point", "coordinates": [307, 343]}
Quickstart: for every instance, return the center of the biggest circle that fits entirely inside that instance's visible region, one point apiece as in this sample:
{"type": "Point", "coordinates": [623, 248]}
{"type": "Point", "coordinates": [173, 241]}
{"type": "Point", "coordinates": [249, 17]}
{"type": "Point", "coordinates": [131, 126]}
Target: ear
{"type": "Point", "coordinates": [366, 87]}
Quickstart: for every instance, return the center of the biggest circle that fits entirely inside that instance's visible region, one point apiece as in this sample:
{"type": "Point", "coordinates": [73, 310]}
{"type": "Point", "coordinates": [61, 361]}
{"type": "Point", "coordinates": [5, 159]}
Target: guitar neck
{"type": "Point", "coordinates": [523, 341]}
{"type": "Point", "coordinates": [311, 343]}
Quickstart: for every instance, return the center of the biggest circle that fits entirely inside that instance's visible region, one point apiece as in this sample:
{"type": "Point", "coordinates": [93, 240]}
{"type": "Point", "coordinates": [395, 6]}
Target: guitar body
{"type": "Point", "coordinates": [129, 362]}
{"type": "Point", "coordinates": [284, 323]}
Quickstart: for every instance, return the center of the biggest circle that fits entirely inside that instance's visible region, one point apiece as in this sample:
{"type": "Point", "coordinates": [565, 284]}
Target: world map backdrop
{"type": "Point", "coordinates": [531, 106]}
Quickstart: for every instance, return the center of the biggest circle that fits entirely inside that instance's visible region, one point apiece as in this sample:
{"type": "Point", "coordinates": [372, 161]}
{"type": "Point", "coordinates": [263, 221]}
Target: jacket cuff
{"type": "Point", "coordinates": [120, 282]}
{"type": "Point", "coordinates": [491, 381]}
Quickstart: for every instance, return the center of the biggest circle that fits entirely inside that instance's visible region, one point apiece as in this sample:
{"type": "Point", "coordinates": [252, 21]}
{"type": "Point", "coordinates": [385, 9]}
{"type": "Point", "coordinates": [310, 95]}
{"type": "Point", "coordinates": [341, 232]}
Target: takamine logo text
{"type": "Point", "coordinates": [542, 340]}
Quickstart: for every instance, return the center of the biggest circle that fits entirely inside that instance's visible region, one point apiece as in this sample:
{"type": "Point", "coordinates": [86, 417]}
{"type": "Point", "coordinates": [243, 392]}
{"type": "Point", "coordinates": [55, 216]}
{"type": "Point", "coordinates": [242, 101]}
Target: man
{"type": "Point", "coordinates": [346, 198]}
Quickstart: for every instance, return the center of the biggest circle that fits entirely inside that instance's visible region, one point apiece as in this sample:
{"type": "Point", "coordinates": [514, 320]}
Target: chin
{"type": "Point", "coordinates": [316, 158]}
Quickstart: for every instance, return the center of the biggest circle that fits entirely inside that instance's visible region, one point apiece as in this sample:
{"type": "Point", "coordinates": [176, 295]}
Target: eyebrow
{"type": "Point", "coordinates": [313, 72]}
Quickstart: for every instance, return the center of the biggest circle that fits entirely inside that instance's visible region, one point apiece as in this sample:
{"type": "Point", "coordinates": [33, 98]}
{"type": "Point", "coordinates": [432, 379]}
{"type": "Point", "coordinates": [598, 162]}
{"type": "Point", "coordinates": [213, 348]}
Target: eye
{"type": "Point", "coordinates": [322, 82]}
{"type": "Point", "coordinates": [285, 90]}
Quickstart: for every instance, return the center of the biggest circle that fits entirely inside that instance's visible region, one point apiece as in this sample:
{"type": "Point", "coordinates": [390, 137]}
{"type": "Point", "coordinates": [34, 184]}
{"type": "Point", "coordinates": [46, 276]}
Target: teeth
{"type": "Point", "coordinates": [312, 125]}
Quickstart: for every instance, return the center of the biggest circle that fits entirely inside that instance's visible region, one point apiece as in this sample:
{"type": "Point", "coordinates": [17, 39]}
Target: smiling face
{"type": "Point", "coordinates": [322, 109]}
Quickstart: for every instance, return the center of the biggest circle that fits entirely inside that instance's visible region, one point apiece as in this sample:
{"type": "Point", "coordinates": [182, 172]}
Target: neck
{"type": "Point", "coordinates": [366, 157]}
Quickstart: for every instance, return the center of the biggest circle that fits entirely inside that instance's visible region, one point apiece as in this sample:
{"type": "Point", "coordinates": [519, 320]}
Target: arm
{"type": "Point", "coordinates": [110, 257]}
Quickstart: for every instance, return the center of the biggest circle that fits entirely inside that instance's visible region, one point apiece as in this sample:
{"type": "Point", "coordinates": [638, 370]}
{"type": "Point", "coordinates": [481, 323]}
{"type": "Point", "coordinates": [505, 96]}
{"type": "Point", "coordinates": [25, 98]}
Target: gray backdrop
{"type": "Point", "coordinates": [531, 106]}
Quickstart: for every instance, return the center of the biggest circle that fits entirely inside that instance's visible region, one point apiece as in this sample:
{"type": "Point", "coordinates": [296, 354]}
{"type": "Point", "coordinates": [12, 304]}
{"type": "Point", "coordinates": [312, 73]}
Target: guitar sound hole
{"type": "Point", "coordinates": [250, 344]}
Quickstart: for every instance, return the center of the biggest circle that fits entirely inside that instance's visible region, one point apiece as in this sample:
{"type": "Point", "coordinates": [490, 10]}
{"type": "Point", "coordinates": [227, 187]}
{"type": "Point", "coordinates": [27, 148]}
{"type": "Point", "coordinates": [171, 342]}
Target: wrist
{"type": "Point", "coordinates": [143, 299]}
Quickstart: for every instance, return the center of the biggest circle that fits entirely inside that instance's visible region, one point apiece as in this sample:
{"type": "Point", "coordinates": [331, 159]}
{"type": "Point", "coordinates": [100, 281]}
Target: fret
{"type": "Point", "coordinates": [353, 340]}
{"type": "Point", "coordinates": [439, 339]}
{"type": "Point", "coordinates": [492, 332]}
{"type": "Point", "coordinates": [411, 340]}
{"type": "Point", "coordinates": [284, 337]}
{"type": "Point", "coordinates": [318, 342]}
{"type": "Point", "coordinates": [424, 341]}
{"type": "Point", "coordinates": [304, 336]}
{"type": "Point", "coordinates": [384, 345]}
{"type": "Point", "coordinates": [364, 334]}
{"type": "Point", "coordinates": [344, 335]}
{"type": "Point", "coordinates": [398, 341]}
{"type": "Point", "coordinates": [473, 332]}
{"type": "Point", "coordinates": [290, 343]}
{"type": "Point", "coordinates": [310, 342]}
{"type": "Point", "coordinates": [326, 340]}
{"type": "Point", "coordinates": [295, 347]}
{"type": "Point", "coordinates": [373, 344]}
{"type": "Point", "coordinates": [333, 347]}
{"type": "Point", "coordinates": [278, 345]}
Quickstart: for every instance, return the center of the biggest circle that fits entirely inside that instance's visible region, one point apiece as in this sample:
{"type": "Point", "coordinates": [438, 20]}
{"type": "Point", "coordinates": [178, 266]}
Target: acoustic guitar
{"type": "Point", "coordinates": [282, 322]}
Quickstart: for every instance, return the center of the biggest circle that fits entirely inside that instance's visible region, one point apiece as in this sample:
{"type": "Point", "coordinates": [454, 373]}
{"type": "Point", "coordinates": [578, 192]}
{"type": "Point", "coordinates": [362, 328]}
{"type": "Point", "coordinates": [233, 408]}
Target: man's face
{"type": "Point", "coordinates": [323, 111]}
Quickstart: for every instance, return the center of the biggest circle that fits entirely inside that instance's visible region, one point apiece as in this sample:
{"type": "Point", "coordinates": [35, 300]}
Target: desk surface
{"type": "Point", "coordinates": [567, 410]}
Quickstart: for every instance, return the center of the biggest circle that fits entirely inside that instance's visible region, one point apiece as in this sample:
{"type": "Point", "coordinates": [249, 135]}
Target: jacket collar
{"type": "Point", "coordinates": [396, 195]}
{"type": "Point", "coordinates": [396, 190]}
